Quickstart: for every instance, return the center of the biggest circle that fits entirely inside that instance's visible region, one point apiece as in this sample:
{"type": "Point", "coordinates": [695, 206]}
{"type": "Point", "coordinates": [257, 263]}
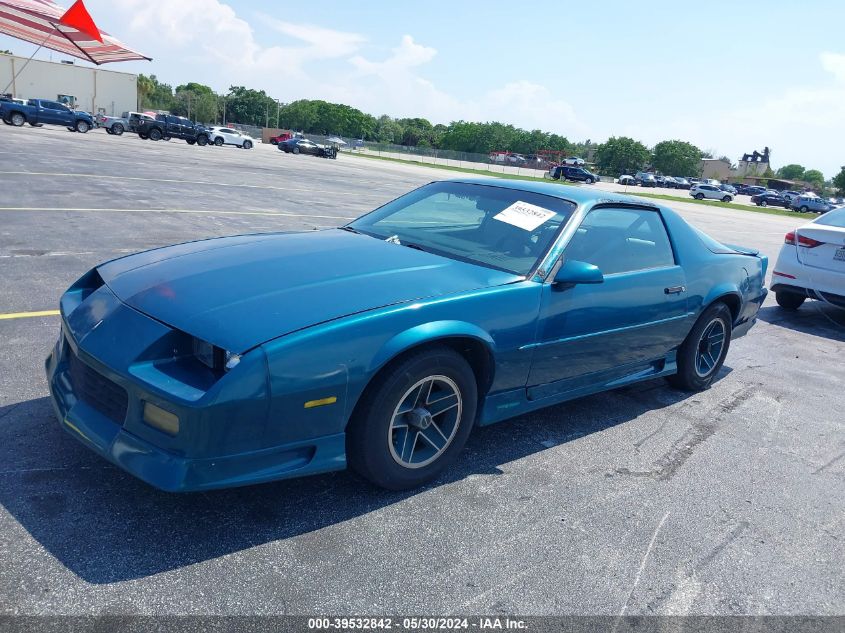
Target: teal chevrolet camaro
{"type": "Point", "coordinates": [379, 345]}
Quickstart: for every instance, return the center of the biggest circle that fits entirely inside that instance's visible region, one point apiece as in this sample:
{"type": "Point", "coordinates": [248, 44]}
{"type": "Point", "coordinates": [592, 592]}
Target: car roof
{"type": "Point", "coordinates": [578, 195]}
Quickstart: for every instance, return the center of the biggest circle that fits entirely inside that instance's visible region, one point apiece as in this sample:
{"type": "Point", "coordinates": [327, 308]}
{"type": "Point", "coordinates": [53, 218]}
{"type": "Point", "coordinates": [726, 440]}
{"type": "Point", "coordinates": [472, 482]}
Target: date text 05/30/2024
{"type": "Point", "coordinates": [416, 624]}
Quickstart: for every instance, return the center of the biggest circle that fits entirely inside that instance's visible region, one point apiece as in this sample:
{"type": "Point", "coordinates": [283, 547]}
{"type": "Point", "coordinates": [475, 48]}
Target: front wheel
{"type": "Point", "coordinates": [218, 141]}
{"type": "Point", "coordinates": [413, 420]}
{"type": "Point", "coordinates": [789, 300]}
{"type": "Point", "coordinates": [82, 127]}
{"type": "Point", "coordinates": [726, 199]}
{"type": "Point", "coordinates": [699, 196]}
{"type": "Point", "coordinates": [296, 150]}
{"type": "Point", "coordinates": [202, 140]}
{"type": "Point", "coordinates": [804, 209]}
{"type": "Point", "coordinates": [247, 145]}
{"type": "Point", "coordinates": [190, 141]}
{"type": "Point", "coordinates": [143, 136]}
{"type": "Point", "coordinates": [763, 203]}
{"type": "Point", "coordinates": [155, 134]}
{"type": "Point", "coordinates": [703, 352]}
{"type": "Point", "coordinates": [589, 181]}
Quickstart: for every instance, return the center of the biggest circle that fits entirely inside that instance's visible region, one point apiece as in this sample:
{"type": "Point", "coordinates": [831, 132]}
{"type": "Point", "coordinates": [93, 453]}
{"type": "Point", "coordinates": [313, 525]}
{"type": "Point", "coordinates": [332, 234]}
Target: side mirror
{"type": "Point", "coordinates": [574, 272]}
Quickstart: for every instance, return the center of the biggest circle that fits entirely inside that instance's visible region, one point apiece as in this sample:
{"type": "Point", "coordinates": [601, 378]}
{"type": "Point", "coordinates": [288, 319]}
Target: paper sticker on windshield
{"type": "Point", "coordinates": [524, 215]}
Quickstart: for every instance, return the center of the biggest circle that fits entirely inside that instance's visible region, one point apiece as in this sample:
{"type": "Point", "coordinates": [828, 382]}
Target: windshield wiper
{"type": "Point", "coordinates": [350, 229]}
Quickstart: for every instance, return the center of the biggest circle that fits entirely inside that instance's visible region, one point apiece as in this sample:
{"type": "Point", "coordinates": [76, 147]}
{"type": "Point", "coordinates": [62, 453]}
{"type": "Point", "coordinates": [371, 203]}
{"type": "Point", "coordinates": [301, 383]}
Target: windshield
{"type": "Point", "coordinates": [501, 228]}
{"type": "Point", "coordinates": [833, 218]}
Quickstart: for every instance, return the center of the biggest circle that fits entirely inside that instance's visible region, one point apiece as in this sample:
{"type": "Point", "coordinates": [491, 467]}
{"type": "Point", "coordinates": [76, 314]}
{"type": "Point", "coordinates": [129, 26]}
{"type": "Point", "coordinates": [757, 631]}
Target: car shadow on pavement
{"type": "Point", "coordinates": [814, 317]}
{"type": "Point", "coordinates": [106, 526]}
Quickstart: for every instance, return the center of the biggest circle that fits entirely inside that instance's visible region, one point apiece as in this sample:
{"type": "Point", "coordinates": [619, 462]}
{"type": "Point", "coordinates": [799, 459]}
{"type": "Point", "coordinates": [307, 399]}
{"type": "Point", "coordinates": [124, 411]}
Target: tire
{"type": "Point", "coordinates": [789, 300]}
{"type": "Point", "coordinates": [589, 181]}
{"type": "Point", "coordinates": [698, 359]}
{"type": "Point", "coordinates": [36, 124]}
{"type": "Point", "coordinates": [247, 145]}
{"type": "Point", "coordinates": [804, 209]}
{"type": "Point", "coordinates": [7, 121]}
{"type": "Point", "coordinates": [190, 141]}
{"type": "Point", "coordinates": [762, 203]}
{"type": "Point", "coordinates": [143, 136]}
{"type": "Point", "coordinates": [202, 140]}
{"type": "Point", "coordinates": [295, 150]}
{"type": "Point", "coordinates": [82, 127]}
{"type": "Point", "coordinates": [272, 142]}
{"type": "Point", "coordinates": [218, 141]}
{"type": "Point", "coordinates": [118, 129]}
{"type": "Point", "coordinates": [699, 196]}
{"type": "Point", "coordinates": [378, 435]}
{"type": "Point", "coordinates": [17, 119]}
{"type": "Point", "coordinates": [109, 132]}
{"type": "Point", "coordinates": [726, 199]}
{"type": "Point", "coordinates": [155, 134]}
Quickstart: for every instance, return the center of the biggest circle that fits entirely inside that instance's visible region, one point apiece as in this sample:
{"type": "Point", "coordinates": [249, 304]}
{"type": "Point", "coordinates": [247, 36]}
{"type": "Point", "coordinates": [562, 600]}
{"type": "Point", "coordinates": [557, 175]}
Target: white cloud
{"type": "Point", "coordinates": [834, 63]}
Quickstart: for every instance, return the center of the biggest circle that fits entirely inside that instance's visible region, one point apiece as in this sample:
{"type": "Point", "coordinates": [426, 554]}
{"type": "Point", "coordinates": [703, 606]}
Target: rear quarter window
{"type": "Point", "coordinates": [833, 218]}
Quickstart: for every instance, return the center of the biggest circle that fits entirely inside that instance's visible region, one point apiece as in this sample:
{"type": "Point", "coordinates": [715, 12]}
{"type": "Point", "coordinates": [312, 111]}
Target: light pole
{"type": "Point", "coordinates": [278, 111]}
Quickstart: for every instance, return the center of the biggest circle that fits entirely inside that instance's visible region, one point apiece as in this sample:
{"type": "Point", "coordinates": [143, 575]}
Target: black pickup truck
{"type": "Point", "coordinates": [166, 126]}
{"type": "Point", "coordinates": [38, 112]}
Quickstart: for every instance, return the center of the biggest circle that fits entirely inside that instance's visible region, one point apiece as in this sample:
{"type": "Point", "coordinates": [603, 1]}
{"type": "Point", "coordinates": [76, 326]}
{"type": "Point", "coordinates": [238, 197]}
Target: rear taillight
{"type": "Point", "coordinates": [802, 240]}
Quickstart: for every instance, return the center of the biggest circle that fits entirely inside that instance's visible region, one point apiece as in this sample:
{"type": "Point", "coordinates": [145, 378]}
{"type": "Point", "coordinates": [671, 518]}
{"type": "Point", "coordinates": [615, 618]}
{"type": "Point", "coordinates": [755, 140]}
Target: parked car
{"type": "Point", "coordinates": [728, 188]}
{"type": "Point", "coordinates": [573, 161]}
{"type": "Point", "coordinates": [694, 181]}
{"type": "Point", "coordinates": [166, 126]}
{"type": "Point", "coordinates": [811, 263]}
{"type": "Point", "coordinates": [807, 204]}
{"type": "Point", "coordinates": [669, 182]}
{"type": "Point", "coordinates": [659, 181]}
{"type": "Point", "coordinates": [769, 200]}
{"type": "Point", "coordinates": [112, 124]}
{"type": "Point", "coordinates": [625, 179]}
{"type": "Point", "coordinates": [227, 136]}
{"type": "Point", "coordinates": [701, 191]}
{"type": "Point", "coordinates": [753, 190]}
{"type": "Point", "coordinates": [305, 146]}
{"type": "Point", "coordinates": [134, 119]}
{"type": "Point", "coordinates": [381, 344]}
{"type": "Point", "coordinates": [645, 179]}
{"type": "Point", "coordinates": [275, 140]}
{"type": "Point", "coordinates": [575, 174]}
{"type": "Point", "coordinates": [681, 183]}
{"type": "Point", "coordinates": [790, 195]}
{"type": "Point", "coordinates": [44, 112]}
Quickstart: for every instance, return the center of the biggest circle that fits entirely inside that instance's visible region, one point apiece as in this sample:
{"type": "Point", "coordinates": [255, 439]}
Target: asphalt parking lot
{"type": "Point", "coordinates": [644, 500]}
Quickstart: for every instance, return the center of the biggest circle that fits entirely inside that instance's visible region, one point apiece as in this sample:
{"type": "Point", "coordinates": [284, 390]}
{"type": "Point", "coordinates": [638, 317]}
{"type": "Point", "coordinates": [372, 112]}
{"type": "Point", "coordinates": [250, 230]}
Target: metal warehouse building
{"type": "Point", "coordinates": [85, 88]}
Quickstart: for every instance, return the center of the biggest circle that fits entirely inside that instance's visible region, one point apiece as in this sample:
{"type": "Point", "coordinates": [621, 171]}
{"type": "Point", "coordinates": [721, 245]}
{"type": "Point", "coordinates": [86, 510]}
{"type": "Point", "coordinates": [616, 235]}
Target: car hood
{"type": "Point", "coordinates": [239, 292]}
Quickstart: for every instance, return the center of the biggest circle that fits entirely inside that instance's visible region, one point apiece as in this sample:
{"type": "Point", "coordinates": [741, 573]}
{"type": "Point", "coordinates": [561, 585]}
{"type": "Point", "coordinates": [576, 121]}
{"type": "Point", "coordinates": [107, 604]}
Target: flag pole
{"type": "Point", "coordinates": [26, 63]}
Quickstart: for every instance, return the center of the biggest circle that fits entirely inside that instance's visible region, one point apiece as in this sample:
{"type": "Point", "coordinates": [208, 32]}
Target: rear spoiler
{"type": "Point", "coordinates": [743, 250]}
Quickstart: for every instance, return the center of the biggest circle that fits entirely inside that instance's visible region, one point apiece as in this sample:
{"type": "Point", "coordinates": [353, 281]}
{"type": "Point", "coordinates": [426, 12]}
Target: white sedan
{"type": "Point", "coordinates": [700, 191]}
{"type": "Point", "coordinates": [811, 263]}
{"type": "Point", "coordinates": [227, 136]}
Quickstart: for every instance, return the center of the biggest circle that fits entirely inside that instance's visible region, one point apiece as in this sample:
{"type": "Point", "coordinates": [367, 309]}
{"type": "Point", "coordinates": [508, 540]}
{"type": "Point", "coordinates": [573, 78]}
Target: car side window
{"type": "Point", "coordinates": [621, 240]}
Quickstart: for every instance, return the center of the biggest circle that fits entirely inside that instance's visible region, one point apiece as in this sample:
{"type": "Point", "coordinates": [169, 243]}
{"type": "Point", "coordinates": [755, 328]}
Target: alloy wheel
{"type": "Point", "coordinates": [710, 347]}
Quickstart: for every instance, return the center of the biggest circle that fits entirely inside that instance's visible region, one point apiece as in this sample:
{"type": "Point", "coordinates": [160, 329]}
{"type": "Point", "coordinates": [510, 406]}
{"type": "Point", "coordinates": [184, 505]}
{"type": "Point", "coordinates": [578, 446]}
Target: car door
{"type": "Point", "coordinates": [591, 334]}
{"type": "Point", "coordinates": [49, 112]}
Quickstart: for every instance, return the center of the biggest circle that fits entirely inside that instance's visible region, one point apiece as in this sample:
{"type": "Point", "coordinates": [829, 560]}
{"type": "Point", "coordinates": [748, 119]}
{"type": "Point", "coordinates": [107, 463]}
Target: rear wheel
{"type": "Point", "coordinates": [17, 119]}
{"type": "Point", "coordinates": [190, 141]}
{"type": "Point", "coordinates": [413, 420]}
{"type": "Point", "coordinates": [82, 127]}
{"type": "Point", "coordinates": [726, 199]}
{"type": "Point", "coordinates": [108, 131]}
{"type": "Point", "coordinates": [155, 134]}
{"type": "Point", "coordinates": [218, 141]}
{"type": "Point", "coordinates": [202, 140]}
{"type": "Point", "coordinates": [789, 300]}
{"type": "Point", "coordinates": [296, 150]}
{"type": "Point", "coordinates": [143, 136]}
{"type": "Point", "coordinates": [703, 352]}
{"type": "Point", "coordinates": [118, 129]}
{"type": "Point", "coordinates": [699, 196]}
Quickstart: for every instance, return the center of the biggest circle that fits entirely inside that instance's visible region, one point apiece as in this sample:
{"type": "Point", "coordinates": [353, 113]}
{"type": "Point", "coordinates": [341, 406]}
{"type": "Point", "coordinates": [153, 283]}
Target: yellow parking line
{"type": "Point", "coordinates": [25, 315]}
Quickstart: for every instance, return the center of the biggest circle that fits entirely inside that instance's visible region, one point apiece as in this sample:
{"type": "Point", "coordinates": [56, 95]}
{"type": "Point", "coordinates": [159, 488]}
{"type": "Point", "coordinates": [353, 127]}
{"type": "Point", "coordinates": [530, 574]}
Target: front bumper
{"type": "Point", "coordinates": [224, 440]}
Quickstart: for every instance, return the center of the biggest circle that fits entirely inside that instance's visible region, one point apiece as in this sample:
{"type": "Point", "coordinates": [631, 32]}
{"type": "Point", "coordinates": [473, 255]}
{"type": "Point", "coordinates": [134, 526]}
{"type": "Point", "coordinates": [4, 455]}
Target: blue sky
{"type": "Point", "coordinates": [726, 76]}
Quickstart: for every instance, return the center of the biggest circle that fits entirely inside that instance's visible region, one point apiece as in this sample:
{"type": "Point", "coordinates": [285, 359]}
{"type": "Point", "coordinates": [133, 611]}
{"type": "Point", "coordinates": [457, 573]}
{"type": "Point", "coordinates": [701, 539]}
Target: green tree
{"type": "Point", "coordinates": [791, 172]}
{"type": "Point", "coordinates": [676, 158]}
{"type": "Point", "coordinates": [154, 95]}
{"type": "Point", "coordinates": [197, 102]}
{"type": "Point", "coordinates": [621, 155]}
{"type": "Point", "coordinates": [6, 52]}
{"type": "Point", "coordinates": [839, 182]}
{"type": "Point", "coordinates": [814, 177]}
{"type": "Point", "coordinates": [247, 106]}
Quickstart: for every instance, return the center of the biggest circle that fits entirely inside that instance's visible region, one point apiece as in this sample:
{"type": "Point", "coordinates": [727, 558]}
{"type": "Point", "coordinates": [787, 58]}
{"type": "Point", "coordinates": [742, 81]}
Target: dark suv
{"type": "Point", "coordinates": [567, 172]}
{"type": "Point", "coordinates": [166, 126]}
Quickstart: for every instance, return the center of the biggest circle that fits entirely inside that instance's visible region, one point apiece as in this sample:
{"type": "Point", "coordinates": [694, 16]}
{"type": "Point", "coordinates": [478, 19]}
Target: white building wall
{"type": "Point", "coordinates": [95, 89]}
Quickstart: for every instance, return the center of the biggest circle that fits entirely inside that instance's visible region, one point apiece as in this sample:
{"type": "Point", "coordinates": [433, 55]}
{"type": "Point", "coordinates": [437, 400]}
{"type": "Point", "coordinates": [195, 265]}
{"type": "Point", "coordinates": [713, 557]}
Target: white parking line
{"type": "Point", "coordinates": [198, 211]}
{"type": "Point", "coordinates": [170, 180]}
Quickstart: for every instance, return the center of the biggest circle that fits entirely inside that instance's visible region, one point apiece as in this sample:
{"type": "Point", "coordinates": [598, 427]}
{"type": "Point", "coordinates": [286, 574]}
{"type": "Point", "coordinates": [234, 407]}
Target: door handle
{"type": "Point", "coordinates": [674, 290]}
